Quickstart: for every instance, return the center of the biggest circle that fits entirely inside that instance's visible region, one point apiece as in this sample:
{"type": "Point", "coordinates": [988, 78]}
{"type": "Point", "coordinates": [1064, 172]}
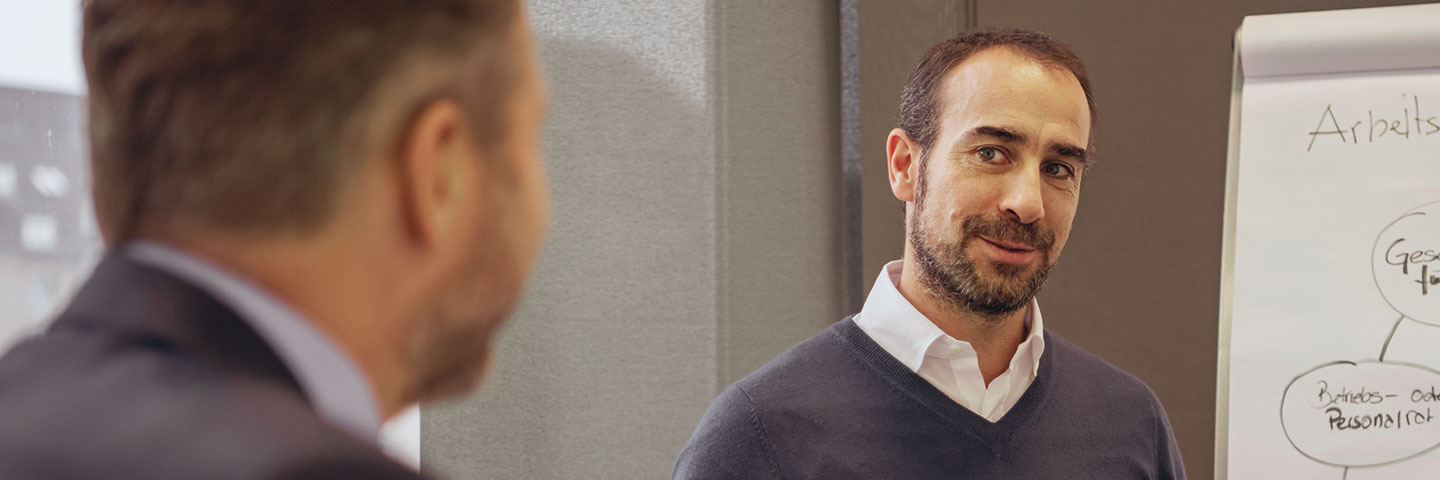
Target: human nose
{"type": "Point", "coordinates": [1021, 199]}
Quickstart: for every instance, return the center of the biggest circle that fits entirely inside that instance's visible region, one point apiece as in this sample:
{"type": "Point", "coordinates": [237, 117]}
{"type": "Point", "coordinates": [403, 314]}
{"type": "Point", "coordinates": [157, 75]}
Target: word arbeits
{"type": "Point", "coordinates": [1372, 127]}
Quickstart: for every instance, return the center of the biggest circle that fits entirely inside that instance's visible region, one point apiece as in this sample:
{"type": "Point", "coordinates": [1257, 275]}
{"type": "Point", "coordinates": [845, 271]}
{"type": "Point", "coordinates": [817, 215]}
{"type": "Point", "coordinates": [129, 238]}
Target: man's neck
{"type": "Point", "coordinates": [314, 286]}
{"type": "Point", "coordinates": [995, 340]}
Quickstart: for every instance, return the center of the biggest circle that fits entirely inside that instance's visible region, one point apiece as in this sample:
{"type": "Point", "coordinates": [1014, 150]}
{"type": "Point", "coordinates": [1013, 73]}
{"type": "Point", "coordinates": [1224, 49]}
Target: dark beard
{"type": "Point", "coordinates": [949, 273]}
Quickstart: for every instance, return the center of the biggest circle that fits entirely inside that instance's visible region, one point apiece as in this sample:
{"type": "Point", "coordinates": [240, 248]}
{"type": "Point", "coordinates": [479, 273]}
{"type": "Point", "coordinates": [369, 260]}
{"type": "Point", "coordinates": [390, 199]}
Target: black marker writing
{"type": "Point", "coordinates": [1379, 126]}
{"type": "Point", "coordinates": [1425, 396]}
{"type": "Point", "coordinates": [1385, 421]}
{"type": "Point", "coordinates": [1404, 259]}
{"type": "Point", "coordinates": [1327, 398]}
{"type": "Point", "coordinates": [1327, 114]}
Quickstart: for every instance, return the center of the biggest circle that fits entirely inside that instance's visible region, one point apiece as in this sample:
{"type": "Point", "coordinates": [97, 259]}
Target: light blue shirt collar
{"type": "Point", "coordinates": [336, 387]}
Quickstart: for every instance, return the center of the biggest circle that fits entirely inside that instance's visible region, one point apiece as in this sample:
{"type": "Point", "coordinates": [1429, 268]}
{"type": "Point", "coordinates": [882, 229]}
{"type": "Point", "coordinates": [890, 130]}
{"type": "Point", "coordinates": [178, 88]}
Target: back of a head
{"type": "Point", "coordinates": [247, 116]}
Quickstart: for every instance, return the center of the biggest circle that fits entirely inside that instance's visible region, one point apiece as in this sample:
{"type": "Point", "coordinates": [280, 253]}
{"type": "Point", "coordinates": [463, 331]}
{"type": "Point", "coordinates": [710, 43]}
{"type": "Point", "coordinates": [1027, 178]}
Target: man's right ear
{"type": "Point", "coordinates": [902, 155]}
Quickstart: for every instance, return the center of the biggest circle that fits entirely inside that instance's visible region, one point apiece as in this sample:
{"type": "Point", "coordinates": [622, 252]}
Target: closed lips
{"type": "Point", "coordinates": [1017, 247]}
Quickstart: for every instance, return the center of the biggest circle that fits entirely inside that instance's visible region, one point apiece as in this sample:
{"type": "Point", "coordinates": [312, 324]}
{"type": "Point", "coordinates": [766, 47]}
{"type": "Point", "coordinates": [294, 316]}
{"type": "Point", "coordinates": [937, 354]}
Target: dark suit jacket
{"type": "Point", "coordinates": [147, 377]}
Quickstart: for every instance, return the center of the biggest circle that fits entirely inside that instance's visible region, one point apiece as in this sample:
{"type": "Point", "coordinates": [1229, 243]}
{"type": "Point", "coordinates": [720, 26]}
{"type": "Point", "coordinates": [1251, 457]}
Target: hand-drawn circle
{"type": "Point", "coordinates": [1405, 264]}
{"type": "Point", "coordinates": [1358, 395]}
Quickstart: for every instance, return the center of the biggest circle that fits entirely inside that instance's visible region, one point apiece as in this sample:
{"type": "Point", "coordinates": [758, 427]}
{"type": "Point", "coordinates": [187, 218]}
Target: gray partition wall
{"type": "Point", "coordinates": [889, 37]}
{"type": "Point", "coordinates": [693, 153]}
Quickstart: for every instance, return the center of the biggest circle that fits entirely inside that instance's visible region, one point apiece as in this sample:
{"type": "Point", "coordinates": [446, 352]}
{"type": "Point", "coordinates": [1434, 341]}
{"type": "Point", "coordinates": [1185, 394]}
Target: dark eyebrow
{"type": "Point", "coordinates": [1070, 151]}
{"type": "Point", "coordinates": [999, 133]}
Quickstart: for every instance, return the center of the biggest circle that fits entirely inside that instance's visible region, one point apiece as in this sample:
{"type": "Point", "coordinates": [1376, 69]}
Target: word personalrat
{"type": "Point", "coordinates": [1331, 401]}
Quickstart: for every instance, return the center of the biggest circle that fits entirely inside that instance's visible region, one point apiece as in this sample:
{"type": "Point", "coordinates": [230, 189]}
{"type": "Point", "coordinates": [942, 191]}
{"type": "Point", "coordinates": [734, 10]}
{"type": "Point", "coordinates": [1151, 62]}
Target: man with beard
{"type": "Point", "coordinates": [316, 213]}
{"type": "Point", "coordinates": [947, 371]}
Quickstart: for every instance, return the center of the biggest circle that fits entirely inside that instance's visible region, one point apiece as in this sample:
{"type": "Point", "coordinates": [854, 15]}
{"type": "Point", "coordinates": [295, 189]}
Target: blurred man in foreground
{"type": "Point", "coordinates": [948, 370]}
{"type": "Point", "coordinates": [317, 213]}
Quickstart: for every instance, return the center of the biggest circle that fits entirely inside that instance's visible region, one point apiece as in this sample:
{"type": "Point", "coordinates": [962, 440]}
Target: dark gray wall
{"type": "Point", "coordinates": [777, 75]}
{"type": "Point", "coordinates": [1138, 283]}
{"type": "Point", "coordinates": [693, 152]}
{"type": "Point", "coordinates": [892, 37]}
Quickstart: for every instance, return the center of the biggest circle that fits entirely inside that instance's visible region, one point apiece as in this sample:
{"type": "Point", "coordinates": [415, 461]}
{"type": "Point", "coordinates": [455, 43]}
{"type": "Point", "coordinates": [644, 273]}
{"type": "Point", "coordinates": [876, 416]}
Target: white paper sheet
{"type": "Point", "coordinates": [1368, 39]}
{"type": "Point", "coordinates": [1334, 344]}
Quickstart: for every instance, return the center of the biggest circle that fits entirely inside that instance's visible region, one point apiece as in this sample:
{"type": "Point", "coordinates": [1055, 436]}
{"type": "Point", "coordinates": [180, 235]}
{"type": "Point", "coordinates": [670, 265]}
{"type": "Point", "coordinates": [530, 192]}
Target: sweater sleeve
{"type": "Point", "coordinates": [1168, 463]}
{"type": "Point", "coordinates": [730, 443]}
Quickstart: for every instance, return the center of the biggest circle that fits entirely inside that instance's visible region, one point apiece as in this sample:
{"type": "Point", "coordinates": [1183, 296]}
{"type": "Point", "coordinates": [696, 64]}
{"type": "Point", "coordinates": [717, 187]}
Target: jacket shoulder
{"type": "Point", "coordinates": [97, 403]}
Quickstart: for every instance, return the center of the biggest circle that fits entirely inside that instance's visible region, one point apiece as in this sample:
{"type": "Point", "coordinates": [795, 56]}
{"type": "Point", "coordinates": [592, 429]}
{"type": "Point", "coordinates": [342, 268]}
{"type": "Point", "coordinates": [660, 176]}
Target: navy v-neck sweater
{"type": "Point", "coordinates": [838, 406]}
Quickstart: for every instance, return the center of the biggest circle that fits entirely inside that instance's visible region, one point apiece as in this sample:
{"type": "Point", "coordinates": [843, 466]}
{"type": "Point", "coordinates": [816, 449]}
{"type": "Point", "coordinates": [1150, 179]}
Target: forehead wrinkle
{"type": "Point", "coordinates": [970, 97]}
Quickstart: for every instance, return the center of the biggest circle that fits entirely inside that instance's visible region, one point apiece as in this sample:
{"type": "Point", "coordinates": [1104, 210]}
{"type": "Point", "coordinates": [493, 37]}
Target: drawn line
{"type": "Point", "coordinates": [1345, 474]}
{"type": "Point", "coordinates": [1285, 428]}
{"type": "Point", "coordinates": [1390, 336]}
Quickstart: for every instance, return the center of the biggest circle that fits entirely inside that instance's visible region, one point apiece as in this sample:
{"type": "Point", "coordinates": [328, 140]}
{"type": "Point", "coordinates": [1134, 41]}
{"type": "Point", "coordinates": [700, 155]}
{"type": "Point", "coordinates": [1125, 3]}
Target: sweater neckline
{"type": "Point", "coordinates": [994, 435]}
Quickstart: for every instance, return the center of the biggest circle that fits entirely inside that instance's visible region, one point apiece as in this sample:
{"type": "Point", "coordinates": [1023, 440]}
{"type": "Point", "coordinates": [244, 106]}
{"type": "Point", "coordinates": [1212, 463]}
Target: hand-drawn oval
{"type": "Point", "coordinates": [1405, 262]}
{"type": "Point", "coordinates": [1359, 414]}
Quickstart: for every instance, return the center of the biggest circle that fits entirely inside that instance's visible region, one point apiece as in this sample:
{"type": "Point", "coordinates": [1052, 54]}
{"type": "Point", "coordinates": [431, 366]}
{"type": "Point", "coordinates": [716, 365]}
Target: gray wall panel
{"type": "Point", "coordinates": [892, 37]}
{"type": "Point", "coordinates": [605, 368]}
{"type": "Point", "coordinates": [777, 81]}
{"type": "Point", "coordinates": [693, 155]}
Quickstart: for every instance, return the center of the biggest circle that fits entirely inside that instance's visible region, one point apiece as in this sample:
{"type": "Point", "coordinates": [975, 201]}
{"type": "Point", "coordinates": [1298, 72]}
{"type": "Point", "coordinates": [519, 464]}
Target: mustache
{"type": "Point", "coordinates": [1006, 230]}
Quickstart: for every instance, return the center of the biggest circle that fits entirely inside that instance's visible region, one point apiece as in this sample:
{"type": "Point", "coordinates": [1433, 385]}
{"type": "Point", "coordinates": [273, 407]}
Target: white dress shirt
{"type": "Point", "coordinates": [334, 384]}
{"type": "Point", "coordinates": [949, 364]}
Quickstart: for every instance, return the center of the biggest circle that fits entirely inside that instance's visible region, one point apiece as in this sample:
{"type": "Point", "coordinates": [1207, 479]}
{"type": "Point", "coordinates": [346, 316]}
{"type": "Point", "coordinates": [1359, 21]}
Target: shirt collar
{"type": "Point", "coordinates": [340, 393]}
{"type": "Point", "coordinates": [894, 323]}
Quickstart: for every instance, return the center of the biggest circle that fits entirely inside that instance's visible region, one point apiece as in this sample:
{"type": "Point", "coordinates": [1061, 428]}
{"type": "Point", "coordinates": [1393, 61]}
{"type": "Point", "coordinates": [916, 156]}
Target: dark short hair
{"type": "Point", "coordinates": [248, 115]}
{"type": "Point", "coordinates": [920, 103]}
